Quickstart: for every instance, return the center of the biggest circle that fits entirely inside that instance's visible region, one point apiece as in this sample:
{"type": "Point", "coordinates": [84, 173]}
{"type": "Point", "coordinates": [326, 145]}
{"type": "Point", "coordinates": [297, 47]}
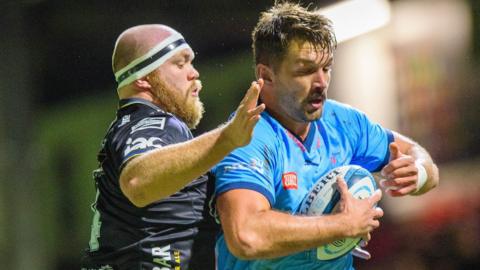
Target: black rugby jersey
{"type": "Point", "coordinates": [173, 233]}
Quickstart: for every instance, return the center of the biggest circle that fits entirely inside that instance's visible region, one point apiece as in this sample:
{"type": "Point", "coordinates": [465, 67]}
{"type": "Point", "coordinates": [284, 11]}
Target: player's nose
{"type": "Point", "coordinates": [194, 74]}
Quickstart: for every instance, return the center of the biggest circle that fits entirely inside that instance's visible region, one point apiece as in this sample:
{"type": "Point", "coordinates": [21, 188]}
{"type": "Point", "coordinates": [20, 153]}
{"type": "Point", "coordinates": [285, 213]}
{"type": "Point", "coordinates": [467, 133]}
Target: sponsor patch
{"type": "Point", "coordinates": [290, 180]}
{"type": "Point", "coordinates": [149, 123]}
{"type": "Point", "coordinates": [125, 119]}
{"type": "Point", "coordinates": [142, 143]}
{"type": "Point", "coordinates": [254, 165]}
{"type": "Point", "coordinates": [165, 258]}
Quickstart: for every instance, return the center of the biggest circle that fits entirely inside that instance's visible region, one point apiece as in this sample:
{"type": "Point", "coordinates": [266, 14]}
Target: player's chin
{"type": "Point", "coordinates": [312, 115]}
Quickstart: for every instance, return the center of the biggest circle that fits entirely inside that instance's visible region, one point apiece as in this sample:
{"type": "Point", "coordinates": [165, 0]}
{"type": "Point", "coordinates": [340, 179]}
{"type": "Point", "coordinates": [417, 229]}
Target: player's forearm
{"type": "Point", "coordinates": [273, 234]}
{"type": "Point", "coordinates": [166, 170]}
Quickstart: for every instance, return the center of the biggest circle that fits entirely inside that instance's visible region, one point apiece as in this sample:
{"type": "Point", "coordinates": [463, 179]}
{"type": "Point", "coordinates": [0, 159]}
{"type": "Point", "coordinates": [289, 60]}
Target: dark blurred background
{"type": "Point", "coordinates": [417, 71]}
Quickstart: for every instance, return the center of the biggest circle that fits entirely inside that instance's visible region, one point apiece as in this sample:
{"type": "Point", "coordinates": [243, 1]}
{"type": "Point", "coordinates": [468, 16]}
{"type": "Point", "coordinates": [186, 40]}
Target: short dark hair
{"type": "Point", "coordinates": [285, 22]}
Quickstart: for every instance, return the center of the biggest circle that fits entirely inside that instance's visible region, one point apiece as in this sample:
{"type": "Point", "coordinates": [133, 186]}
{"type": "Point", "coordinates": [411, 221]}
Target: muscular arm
{"type": "Point", "coordinates": [401, 173]}
{"type": "Point", "coordinates": [162, 172]}
{"type": "Point", "coordinates": [253, 230]}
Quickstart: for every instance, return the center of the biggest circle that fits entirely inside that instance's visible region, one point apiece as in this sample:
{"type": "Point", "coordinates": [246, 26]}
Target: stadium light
{"type": "Point", "coordinates": [356, 17]}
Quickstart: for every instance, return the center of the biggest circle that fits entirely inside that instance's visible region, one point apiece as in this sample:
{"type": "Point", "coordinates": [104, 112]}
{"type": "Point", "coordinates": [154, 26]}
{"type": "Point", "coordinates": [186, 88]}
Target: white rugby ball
{"type": "Point", "coordinates": [323, 197]}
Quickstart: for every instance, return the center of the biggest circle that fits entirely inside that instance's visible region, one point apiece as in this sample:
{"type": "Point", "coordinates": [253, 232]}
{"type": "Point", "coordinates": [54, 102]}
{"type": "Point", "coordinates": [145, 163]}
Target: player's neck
{"type": "Point", "coordinates": [127, 93]}
{"type": "Point", "coordinates": [299, 129]}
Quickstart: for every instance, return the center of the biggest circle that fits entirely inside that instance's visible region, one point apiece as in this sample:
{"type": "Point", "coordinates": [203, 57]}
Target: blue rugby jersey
{"type": "Point", "coordinates": [283, 169]}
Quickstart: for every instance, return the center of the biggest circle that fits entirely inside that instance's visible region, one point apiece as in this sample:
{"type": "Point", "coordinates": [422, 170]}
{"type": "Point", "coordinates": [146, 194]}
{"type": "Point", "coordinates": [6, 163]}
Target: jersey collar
{"type": "Point", "coordinates": [123, 103]}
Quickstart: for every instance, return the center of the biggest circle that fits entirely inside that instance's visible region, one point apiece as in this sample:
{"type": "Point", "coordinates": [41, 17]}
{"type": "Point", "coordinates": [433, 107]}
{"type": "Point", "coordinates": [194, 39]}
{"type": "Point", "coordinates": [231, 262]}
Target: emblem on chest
{"type": "Point", "coordinates": [290, 180]}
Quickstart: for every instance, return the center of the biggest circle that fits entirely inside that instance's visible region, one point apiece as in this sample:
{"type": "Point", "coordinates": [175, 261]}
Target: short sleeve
{"type": "Point", "coordinates": [371, 142]}
{"type": "Point", "coordinates": [251, 167]}
{"type": "Point", "coordinates": [145, 135]}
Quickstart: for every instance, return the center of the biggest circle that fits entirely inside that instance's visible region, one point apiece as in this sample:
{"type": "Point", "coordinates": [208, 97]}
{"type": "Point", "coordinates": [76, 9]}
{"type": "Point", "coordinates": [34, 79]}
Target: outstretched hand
{"type": "Point", "coordinates": [239, 129]}
{"type": "Point", "coordinates": [400, 173]}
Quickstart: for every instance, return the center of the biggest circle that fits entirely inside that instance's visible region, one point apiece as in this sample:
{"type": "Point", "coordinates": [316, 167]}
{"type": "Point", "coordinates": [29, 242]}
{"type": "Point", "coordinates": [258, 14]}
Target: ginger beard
{"type": "Point", "coordinates": [187, 107]}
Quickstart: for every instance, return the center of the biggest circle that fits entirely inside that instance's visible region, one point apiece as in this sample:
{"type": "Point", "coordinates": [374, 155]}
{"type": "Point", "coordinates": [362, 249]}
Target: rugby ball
{"type": "Point", "coordinates": [323, 197]}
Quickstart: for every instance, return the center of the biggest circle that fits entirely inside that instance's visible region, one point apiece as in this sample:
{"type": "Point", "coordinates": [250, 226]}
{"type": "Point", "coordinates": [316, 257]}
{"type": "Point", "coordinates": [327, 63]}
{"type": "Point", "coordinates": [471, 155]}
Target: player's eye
{"type": "Point", "coordinates": [180, 65]}
{"type": "Point", "coordinates": [306, 71]}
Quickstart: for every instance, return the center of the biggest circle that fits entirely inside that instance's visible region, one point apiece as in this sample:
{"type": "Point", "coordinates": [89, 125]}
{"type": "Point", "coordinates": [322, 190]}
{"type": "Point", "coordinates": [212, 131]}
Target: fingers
{"type": "Point", "coordinates": [248, 112]}
{"type": "Point", "coordinates": [254, 118]}
{"type": "Point", "coordinates": [260, 83]}
{"type": "Point", "coordinates": [365, 239]}
{"type": "Point", "coordinates": [405, 169]}
{"type": "Point", "coordinates": [375, 198]}
{"type": "Point", "coordinates": [248, 109]}
{"type": "Point", "coordinates": [399, 186]}
{"type": "Point", "coordinates": [402, 191]}
{"type": "Point", "coordinates": [342, 187]}
{"type": "Point", "coordinates": [363, 243]}
{"type": "Point", "coordinates": [398, 182]}
{"type": "Point", "coordinates": [394, 151]}
{"type": "Point", "coordinates": [378, 213]}
{"type": "Point", "coordinates": [373, 222]}
{"type": "Point", "coordinates": [406, 162]}
{"type": "Point", "coordinates": [397, 160]}
{"type": "Point", "coordinates": [239, 129]}
{"type": "Point", "coordinates": [257, 110]}
{"type": "Point", "coordinates": [251, 97]}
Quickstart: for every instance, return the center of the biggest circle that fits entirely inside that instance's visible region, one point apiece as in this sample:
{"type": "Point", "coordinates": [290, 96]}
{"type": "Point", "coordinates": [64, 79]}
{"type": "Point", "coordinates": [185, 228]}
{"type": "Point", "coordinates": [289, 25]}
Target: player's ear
{"type": "Point", "coordinates": [264, 72]}
{"type": "Point", "coordinates": [143, 83]}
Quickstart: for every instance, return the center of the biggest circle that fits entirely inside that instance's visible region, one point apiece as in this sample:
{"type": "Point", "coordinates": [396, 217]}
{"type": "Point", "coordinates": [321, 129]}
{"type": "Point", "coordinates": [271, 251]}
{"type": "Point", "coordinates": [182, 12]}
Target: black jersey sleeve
{"type": "Point", "coordinates": [147, 134]}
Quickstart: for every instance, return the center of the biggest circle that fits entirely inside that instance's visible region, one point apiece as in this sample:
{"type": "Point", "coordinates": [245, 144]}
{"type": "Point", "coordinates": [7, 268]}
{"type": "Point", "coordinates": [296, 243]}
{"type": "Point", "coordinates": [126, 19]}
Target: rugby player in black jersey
{"type": "Point", "coordinates": [151, 207]}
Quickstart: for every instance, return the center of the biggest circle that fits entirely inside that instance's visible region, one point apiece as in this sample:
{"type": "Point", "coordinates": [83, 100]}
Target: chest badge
{"type": "Point", "coordinates": [290, 180]}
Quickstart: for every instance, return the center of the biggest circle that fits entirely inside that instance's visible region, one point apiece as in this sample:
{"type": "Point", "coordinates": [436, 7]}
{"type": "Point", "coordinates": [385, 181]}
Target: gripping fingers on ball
{"type": "Point", "coordinates": [374, 224]}
{"type": "Point", "coordinates": [342, 186]}
{"type": "Point", "coordinates": [378, 213]}
{"type": "Point", "coordinates": [375, 198]}
{"type": "Point", "coordinates": [365, 239]}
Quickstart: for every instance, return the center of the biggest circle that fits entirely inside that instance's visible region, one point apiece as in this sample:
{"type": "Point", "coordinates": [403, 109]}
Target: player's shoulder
{"type": "Point", "coordinates": [142, 115]}
{"type": "Point", "coordinates": [267, 128]}
{"type": "Point", "coordinates": [338, 107]}
{"type": "Point", "coordinates": [142, 119]}
{"type": "Point", "coordinates": [340, 113]}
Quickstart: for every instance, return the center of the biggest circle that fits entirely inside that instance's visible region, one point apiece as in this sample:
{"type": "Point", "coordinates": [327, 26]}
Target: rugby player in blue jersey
{"type": "Point", "coordinates": [302, 135]}
{"type": "Point", "coordinates": [150, 210]}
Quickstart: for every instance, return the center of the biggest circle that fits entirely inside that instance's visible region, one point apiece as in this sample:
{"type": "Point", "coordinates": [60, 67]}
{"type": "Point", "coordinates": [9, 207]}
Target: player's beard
{"type": "Point", "coordinates": [299, 110]}
{"type": "Point", "coordinates": [187, 107]}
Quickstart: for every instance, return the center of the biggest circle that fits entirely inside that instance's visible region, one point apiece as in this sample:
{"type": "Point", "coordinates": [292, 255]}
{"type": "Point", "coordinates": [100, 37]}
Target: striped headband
{"type": "Point", "coordinates": [148, 62]}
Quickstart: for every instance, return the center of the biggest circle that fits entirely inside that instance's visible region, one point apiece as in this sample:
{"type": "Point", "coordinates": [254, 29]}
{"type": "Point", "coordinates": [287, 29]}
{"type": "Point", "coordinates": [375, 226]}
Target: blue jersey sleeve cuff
{"type": "Point", "coordinates": [390, 139]}
{"type": "Point", "coordinates": [246, 185]}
